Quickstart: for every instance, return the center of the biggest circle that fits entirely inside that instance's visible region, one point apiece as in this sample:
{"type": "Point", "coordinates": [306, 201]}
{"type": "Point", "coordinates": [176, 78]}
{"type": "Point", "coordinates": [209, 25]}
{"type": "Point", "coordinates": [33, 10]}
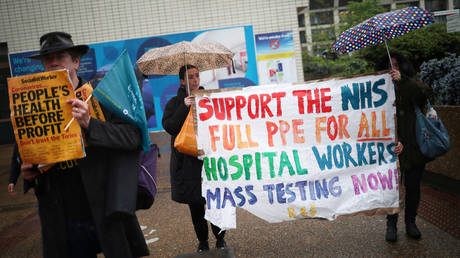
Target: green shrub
{"type": "Point", "coordinates": [444, 78]}
{"type": "Point", "coordinates": [320, 67]}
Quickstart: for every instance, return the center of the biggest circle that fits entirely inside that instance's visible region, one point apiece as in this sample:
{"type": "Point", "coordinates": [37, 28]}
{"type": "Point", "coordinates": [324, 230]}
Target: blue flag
{"type": "Point", "coordinates": [119, 92]}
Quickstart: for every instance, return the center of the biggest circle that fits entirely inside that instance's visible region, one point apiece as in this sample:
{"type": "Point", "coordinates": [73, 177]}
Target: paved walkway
{"type": "Point", "coordinates": [169, 232]}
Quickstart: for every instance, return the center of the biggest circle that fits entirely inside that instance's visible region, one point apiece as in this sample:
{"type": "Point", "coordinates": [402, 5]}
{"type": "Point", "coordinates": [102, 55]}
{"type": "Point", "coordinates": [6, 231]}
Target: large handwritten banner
{"type": "Point", "coordinates": [39, 114]}
{"type": "Point", "coordinates": [283, 152]}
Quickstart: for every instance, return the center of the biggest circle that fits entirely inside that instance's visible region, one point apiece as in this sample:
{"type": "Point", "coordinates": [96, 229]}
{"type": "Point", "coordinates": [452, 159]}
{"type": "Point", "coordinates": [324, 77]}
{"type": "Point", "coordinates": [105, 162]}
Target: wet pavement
{"type": "Point", "coordinates": [169, 232]}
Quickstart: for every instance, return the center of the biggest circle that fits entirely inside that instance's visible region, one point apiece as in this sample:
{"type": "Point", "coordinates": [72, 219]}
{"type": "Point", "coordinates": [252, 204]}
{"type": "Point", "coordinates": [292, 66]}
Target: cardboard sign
{"type": "Point", "coordinates": [39, 113]}
{"type": "Point", "coordinates": [316, 150]}
{"type": "Point", "coordinates": [83, 93]}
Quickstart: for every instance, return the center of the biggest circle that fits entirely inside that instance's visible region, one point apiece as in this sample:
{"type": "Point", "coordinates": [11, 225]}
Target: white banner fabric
{"type": "Point", "coordinates": [282, 152]}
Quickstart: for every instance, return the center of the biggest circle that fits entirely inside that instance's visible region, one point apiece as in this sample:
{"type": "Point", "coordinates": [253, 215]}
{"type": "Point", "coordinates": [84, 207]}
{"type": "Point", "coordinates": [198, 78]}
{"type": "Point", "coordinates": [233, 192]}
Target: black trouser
{"type": "Point", "coordinates": [201, 224]}
{"type": "Point", "coordinates": [82, 239]}
{"type": "Point", "coordinates": [412, 180]}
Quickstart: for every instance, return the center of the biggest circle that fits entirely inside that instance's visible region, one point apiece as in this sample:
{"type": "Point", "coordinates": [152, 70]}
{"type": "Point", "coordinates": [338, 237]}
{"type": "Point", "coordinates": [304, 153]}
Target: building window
{"type": "Point", "coordinates": [321, 4]}
{"type": "Point", "coordinates": [440, 18]}
{"type": "Point", "coordinates": [322, 34]}
{"type": "Point", "coordinates": [456, 4]}
{"type": "Point", "coordinates": [303, 37]}
{"type": "Point", "coordinates": [387, 7]}
{"type": "Point", "coordinates": [342, 15]}
{"type": "Point", "coordinates": [404, 5]}
{"type": "Point", "coordinates": [321, 18]}
{"type": "Point", "coordinates": [4, 74]}
{"type": "Point", "coordinates": [435, 5]}
{"type": "Point", "coordinates": [345, 2]}
{"type": "Point", "coordinates": [301, 20]}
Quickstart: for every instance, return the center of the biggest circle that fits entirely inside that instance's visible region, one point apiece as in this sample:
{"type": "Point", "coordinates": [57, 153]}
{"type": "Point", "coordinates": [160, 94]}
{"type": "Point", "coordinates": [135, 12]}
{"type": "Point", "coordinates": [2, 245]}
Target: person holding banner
{"type": "Point", "coordinates": [409, 91]}
{"type": "Point", "coordinates": [186, 170]}
{"type": "Point", "coordinates": [81, 214]}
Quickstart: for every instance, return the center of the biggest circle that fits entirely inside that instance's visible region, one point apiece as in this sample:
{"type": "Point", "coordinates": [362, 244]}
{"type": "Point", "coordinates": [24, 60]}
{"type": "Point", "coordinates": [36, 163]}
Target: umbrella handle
{"type": "Point", "coordinates": [388, 52]}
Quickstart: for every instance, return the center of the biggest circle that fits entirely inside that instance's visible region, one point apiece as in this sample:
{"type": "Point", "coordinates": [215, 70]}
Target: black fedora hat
{"type": "Point", "coordinates": [58, 41]}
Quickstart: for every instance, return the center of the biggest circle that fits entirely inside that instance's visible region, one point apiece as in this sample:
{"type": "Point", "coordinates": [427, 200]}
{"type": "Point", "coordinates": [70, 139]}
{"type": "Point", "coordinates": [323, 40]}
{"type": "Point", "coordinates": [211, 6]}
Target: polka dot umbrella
{"type": "Point", "coordinates": [382, 28]}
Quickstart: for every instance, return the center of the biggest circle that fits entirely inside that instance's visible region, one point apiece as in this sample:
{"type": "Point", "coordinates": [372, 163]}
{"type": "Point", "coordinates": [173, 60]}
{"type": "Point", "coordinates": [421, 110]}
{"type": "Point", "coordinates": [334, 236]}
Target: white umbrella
{"type": "Point", "coordinates": [169, 59]}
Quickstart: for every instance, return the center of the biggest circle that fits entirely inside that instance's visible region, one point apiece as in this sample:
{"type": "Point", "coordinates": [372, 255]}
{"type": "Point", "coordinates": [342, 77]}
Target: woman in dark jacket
{"type": "Point", "coordinates": [409, 91]}
{"type": "Point", "coordinates": [186, 170]}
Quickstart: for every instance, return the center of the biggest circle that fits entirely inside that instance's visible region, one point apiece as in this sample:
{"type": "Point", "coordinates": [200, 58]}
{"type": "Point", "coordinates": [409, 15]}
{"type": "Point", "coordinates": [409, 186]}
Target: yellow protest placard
{"type": "Point", "coordinates": [83, 94]}
{"type": "Point", "coordinates": [39, 113]}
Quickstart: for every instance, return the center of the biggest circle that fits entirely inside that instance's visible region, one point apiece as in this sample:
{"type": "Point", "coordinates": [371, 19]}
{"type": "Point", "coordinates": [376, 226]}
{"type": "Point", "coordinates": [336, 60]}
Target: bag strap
{"type": "Point", "coordinates": [417, 109]}
{"type": "Point", "coordinates": [151, 177]}
{"type": "Point", "coordinates": [428, 105]}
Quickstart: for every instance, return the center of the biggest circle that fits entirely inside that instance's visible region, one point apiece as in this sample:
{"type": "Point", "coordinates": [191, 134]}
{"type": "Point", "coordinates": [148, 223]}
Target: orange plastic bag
{"type": "Point", "coordinates": [186, 139]}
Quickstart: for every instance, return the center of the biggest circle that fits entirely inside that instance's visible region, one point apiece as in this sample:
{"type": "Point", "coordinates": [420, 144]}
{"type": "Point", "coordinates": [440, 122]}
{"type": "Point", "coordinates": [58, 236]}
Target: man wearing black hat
{"type": "Point", "coordinates": [88, 205]}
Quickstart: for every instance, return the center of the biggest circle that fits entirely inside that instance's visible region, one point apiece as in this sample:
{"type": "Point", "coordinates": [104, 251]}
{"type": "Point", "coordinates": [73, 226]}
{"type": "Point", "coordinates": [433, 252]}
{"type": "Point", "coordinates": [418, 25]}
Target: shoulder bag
{"type": "Point", "coordinates": [432, 137]}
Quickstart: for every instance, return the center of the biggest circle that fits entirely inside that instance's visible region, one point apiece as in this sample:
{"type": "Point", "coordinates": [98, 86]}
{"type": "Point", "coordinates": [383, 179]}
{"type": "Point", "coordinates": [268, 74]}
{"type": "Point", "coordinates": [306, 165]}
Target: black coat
{"type": "Point", "coordinates": [185, 170]}
{"type": "Point", "coordinates": [408, 92]}
{"type": "Point", "coordinates": [109, 176]}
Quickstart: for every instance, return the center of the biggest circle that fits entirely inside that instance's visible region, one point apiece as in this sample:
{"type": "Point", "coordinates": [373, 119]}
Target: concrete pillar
{"type": "Point", "coordinates": [308, 28]}
{"type": "Point", "coordinates": [421, 4]}
{"type": "Point", "coordinates": [393, 5]}
{"type": "Point", "coordinates": [336, 18]}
